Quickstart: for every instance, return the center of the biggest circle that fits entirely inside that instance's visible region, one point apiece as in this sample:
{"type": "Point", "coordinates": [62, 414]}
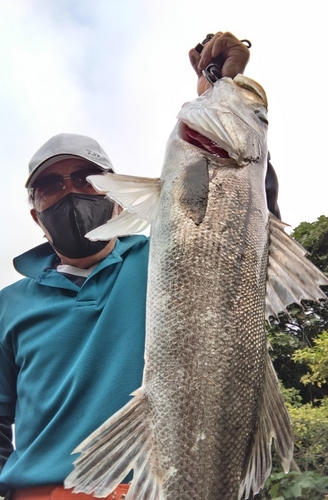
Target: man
{"type": "Point", "coordinates": [72, 332]}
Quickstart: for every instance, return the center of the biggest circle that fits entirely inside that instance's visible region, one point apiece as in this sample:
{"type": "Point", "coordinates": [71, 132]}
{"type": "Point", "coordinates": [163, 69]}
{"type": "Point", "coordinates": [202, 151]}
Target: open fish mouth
{"type": "Point", "coordinates": [200, 141]}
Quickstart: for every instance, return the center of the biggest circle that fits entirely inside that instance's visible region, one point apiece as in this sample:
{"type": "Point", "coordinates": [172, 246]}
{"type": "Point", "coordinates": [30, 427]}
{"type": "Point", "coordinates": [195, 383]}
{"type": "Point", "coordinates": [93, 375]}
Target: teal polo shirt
{"type": "Point", "coordinates": [69, 356]}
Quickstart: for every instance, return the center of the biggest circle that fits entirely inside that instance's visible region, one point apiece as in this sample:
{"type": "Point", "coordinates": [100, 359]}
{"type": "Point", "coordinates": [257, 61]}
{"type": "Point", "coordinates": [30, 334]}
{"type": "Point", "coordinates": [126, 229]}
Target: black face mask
{"type": "Point", "coordinates": [71, 218]}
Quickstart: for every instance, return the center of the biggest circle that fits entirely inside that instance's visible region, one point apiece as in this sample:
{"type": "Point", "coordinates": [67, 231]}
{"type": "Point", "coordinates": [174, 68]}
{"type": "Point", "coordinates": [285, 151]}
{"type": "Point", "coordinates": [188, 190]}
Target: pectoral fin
{"type": "Point", "coordinates": [121, 444]}
{"type": "Point", "coordinates": [274, 423]}
{"type": "Point", "coordinates": [291, 276]}
{"type": "Point", "coordinates": [139, 196]}
{"type": "Point", "coordinates": [123, 224]}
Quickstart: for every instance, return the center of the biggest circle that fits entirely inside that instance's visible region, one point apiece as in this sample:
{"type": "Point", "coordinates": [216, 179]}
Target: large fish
{"type": "Point", "coordinates": [201, 425]}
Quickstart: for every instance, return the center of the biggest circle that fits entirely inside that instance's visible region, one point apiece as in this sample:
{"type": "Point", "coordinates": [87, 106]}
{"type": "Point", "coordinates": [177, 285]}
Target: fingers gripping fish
{"type": "Point", "coordinates": [201, 425]}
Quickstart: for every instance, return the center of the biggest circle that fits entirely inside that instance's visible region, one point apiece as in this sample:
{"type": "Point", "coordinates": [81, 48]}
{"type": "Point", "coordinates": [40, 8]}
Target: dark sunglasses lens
{"type": "Point", "coordinates": [79, 178]}
{"type": "Point", "coordinates": [49, 185]}
{"type": "Point", "coordinates": [54, 183]}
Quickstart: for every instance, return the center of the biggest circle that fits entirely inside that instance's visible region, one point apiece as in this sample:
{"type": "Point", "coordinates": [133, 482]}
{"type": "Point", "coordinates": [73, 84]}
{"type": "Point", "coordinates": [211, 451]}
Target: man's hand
{"type": "Point", "coordinates": [223, 49]}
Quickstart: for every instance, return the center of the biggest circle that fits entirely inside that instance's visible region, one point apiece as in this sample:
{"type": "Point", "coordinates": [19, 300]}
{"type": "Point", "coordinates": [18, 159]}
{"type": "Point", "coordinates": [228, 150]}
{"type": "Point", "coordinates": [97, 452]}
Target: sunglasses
{"type": "Point", "coordinates": [52, 184]}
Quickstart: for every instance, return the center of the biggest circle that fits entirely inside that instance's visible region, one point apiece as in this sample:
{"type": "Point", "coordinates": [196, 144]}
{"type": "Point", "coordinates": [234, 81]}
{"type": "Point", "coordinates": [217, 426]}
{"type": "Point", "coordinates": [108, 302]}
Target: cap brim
{"type": "Point", "coordinates": [56, 158]}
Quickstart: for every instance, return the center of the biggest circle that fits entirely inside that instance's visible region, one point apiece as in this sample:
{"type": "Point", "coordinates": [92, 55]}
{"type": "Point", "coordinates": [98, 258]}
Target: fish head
{"type": "Point", "coordinates": [229, 120]}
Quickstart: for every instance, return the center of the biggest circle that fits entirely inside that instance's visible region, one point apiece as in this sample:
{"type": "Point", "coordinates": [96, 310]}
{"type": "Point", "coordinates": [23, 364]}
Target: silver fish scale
{"type": "Point", "coordinates": [206, 343]}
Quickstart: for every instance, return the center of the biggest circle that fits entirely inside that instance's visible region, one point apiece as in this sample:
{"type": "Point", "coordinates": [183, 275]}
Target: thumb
{"type": "Point", "coordinates": [194, 58]}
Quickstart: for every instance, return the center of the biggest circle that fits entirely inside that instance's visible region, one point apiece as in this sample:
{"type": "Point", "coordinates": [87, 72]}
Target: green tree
{"type": "Point", "coordinates": [314, 237]}
{"type": "Point", "coordinates": [316, 358]}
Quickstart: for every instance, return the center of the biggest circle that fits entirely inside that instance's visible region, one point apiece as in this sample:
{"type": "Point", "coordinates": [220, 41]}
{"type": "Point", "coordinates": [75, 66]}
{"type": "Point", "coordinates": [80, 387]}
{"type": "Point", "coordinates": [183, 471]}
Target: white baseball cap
{"type": "Point", "coordinates": [63, 147]}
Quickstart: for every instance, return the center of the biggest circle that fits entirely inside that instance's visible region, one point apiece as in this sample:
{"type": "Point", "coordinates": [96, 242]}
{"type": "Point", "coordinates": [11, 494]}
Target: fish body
{"type": "Point", "coordinates": [201, 425]}
{"type": "Point", "coordinates": [206, 343]}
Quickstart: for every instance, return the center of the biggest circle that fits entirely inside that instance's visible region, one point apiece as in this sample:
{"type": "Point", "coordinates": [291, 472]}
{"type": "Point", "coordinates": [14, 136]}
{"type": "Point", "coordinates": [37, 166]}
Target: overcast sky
{"type": "Point", "coordinates": [118, 70]}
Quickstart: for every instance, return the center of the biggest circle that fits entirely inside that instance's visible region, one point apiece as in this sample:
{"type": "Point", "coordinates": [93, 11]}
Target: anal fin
{"type": "Point", "coordinates": [119, 445]}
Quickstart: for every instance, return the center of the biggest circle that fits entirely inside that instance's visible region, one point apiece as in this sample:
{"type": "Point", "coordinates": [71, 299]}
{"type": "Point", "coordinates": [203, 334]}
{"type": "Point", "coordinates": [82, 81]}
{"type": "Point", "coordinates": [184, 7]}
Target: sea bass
{"type": "Point", "coordinates": [201, 425]}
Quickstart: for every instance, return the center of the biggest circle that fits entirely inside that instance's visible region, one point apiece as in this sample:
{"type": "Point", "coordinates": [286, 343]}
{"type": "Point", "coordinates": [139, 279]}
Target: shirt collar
{"type": "Point", "coordinates": [42, 258]}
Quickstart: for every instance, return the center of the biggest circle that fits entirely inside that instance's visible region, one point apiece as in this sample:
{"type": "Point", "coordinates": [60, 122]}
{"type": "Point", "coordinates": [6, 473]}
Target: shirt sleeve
{"type": "Point", "coordinates": [8, 375]}
{"type": "Point", "coordinates": [8, 379]}
{"type": "Point", "coordinates": [6, 444]}
{"type": "Point", "coordinates": [6, 435]}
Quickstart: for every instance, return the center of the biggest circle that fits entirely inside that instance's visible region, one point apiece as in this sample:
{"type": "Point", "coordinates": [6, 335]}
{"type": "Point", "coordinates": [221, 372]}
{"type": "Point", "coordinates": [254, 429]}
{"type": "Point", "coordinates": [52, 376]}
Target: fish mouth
{"type": "Point", "coordinates": [200, 141]}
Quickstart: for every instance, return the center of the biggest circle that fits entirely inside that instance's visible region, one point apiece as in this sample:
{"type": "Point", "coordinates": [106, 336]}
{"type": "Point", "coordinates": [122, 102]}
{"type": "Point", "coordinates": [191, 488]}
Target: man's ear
{"type": "Point", "coordinates": [34, 216]}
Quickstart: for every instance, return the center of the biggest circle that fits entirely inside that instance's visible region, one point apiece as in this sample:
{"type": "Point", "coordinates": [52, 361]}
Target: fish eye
{"type": "Point", "coordinates": [261, 116]}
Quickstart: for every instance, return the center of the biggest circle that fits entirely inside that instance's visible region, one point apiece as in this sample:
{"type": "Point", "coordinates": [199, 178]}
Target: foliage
{"type": "Point", "coordinates": [310, 427]}
{"type": "Point", "coordinates": [314, 237]}
{"type": "Point", "coordinates": [288, 335]}
{"type": "Point", "coordinates": [316, 358]}
{"type": "Point", "coordinates": [307, 485]}
{"type": "Point", "coordinates": [291, 396]}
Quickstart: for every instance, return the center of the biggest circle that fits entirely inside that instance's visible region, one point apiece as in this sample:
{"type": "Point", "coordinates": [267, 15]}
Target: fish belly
{"type": "Point", "coordinates": [206, 345]}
